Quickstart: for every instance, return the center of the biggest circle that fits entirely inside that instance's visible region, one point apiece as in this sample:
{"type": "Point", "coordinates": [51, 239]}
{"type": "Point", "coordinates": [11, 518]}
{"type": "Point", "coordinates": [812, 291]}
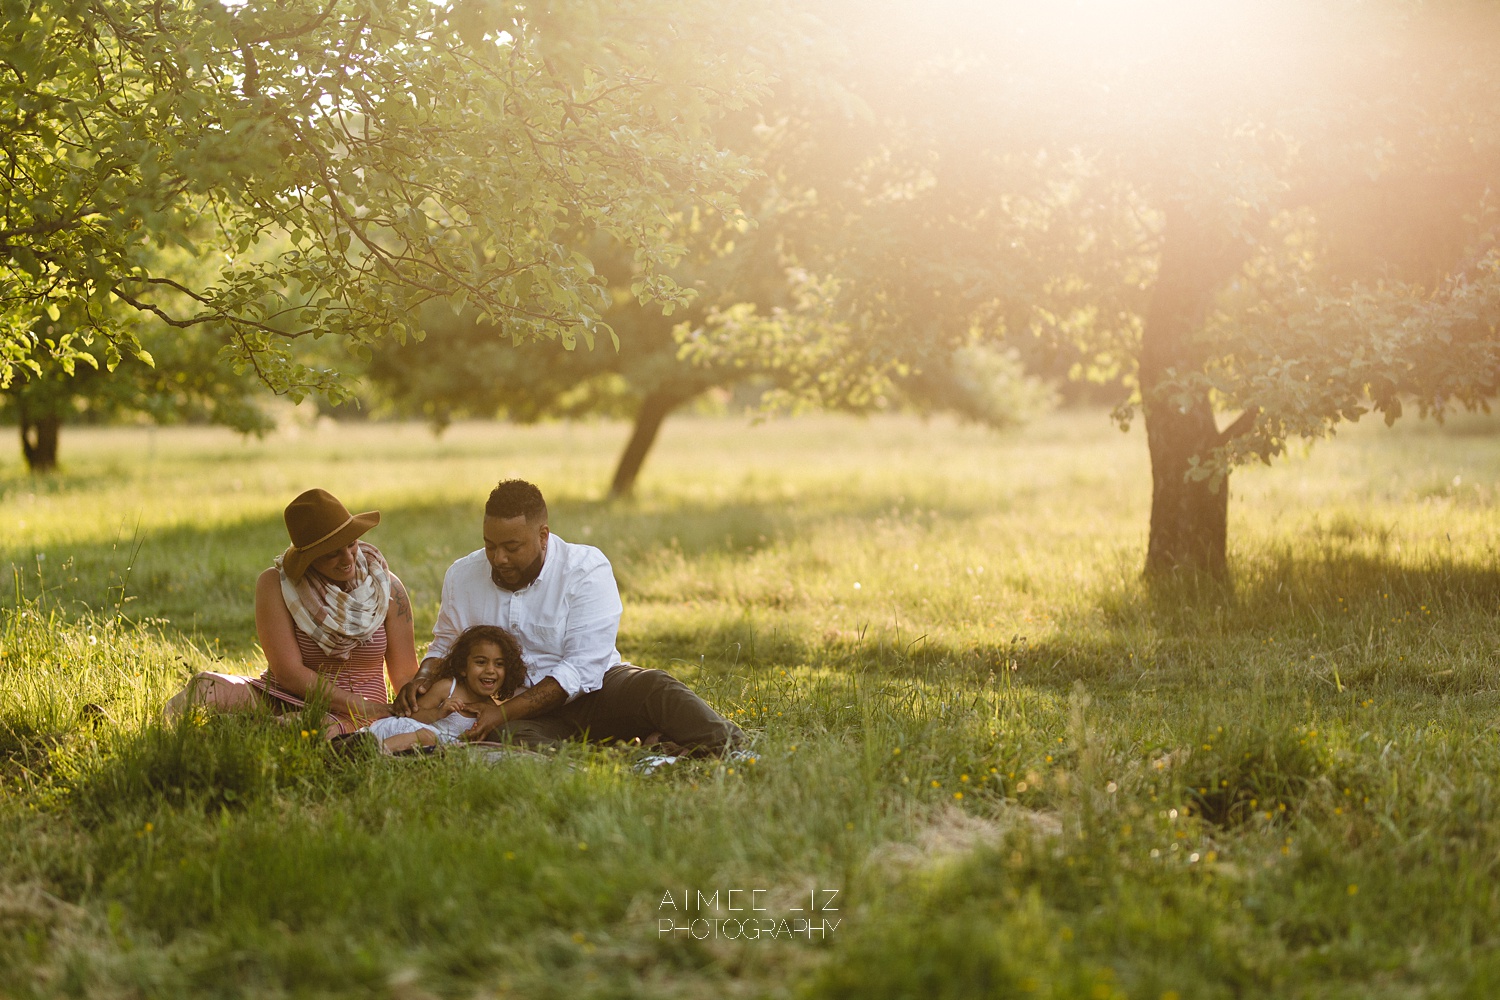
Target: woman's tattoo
{"type": "Point", "coordinates": [403, 605]}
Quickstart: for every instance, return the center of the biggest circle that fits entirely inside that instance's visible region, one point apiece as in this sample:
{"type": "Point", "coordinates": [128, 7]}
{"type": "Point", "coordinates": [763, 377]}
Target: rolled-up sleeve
{"type": "Point", "coordinates": [588, 646]}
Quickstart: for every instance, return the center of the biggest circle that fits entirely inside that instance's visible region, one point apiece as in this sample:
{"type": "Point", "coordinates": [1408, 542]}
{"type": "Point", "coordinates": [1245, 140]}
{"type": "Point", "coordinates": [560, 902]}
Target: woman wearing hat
{"type": "Point", "coordinates": [331, 618]}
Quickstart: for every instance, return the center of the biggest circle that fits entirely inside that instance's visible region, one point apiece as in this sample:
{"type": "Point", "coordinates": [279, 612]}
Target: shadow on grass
{"type": "Point", "coordinates": [1284, 583]}
{"type": "Point", "coordinates": [199, 581]}
{"type": "Point", "coordinates": [1332, 603]}
{"type": "Point", "coordinates": [220, 762]}
{"type": "Point", "coordinates": [1337, 626]}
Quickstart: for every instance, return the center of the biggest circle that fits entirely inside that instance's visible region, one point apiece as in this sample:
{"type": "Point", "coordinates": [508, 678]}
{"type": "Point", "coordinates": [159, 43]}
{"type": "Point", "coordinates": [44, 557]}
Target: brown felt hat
{"type": "Point", "coordinates": [318, 524]}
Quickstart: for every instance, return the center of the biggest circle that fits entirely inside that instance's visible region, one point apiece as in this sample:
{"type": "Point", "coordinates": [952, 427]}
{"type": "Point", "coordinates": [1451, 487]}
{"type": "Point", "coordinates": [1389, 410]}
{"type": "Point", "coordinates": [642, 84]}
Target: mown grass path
{"type": "Point", "coordinates": [1013, 770]}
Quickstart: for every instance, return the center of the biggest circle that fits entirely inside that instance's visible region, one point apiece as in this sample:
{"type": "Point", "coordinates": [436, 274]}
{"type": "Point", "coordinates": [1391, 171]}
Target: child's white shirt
{"type": "Point", "coordinates": [448, 729]}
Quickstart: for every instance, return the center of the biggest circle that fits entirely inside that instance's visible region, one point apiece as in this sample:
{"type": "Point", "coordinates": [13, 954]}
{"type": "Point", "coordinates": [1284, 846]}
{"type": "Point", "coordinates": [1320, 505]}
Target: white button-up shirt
{"type": "Point", "coordinates": [565, 620]}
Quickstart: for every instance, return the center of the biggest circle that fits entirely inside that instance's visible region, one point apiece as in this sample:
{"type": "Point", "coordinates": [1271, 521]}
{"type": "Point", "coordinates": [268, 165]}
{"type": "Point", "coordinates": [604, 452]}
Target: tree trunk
{"type": "Point", "coordinates": [648, 419]}
{"type": "Point", "coordinates": [39, 439]}
{"type": "Point", "coordinates": [1189, 517]}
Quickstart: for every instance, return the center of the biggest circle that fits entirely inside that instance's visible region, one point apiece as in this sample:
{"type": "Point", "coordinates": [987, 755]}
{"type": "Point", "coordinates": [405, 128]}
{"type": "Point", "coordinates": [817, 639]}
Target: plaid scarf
{"type": "Point", "coordinates": [338, 619]}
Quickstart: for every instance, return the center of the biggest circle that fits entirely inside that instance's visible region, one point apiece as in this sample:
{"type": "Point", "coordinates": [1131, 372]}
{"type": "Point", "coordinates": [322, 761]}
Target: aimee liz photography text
{"type": "Point", "coordinates": [749, 914]}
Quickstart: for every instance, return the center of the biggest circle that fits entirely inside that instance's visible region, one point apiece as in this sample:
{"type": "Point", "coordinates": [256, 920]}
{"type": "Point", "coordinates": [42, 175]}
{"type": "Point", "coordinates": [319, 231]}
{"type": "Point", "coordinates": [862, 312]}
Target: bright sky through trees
{"type": "Point", "coordinates": [1279, 210]}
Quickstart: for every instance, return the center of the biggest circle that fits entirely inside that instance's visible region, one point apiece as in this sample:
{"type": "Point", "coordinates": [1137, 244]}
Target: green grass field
{"type": "Point", "coordinates": [1023, 773]}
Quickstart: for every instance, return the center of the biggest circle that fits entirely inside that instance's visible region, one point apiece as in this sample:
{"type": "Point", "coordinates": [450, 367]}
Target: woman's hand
{"type": "Point", "coordinates": [368, 711]}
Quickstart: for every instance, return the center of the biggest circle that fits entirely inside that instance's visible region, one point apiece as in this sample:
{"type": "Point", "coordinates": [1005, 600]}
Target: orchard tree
{"type": "Point", "coordinates": [342, 163]}
{"type": "Point", "coordinates": [171, 375]}
{"type": "Point", "coordinates": [731, 334]}
{"type": "Point", "coordinates": [186, 381]}
{"type": "Point", "coordinates": [749, 296]}
{"type": "Point", "coordinates": [463, 369]}
{"type": "Point", "coordinates": [1279, 211]}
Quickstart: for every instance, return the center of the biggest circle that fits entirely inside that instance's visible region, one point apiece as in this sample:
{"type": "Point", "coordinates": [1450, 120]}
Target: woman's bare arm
{"type": "Point", "coordinates": [273, 627]}
{"type": "Point", "coordinates": [400, 637]}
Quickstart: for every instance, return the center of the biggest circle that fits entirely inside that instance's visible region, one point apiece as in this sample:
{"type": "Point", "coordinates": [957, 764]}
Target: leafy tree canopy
{"type": "Point", "coordinates": [350, 161]}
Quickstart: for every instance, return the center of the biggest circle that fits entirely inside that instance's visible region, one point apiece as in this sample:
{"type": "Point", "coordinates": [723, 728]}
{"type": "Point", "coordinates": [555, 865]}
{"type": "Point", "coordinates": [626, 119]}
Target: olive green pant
{"type": "Point", "coordinates": [633, 704]}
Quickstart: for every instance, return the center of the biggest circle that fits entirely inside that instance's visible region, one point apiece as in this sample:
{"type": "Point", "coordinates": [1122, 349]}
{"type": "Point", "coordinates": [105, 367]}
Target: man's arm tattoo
{"type": "Point", "coordinates": [536, 700]}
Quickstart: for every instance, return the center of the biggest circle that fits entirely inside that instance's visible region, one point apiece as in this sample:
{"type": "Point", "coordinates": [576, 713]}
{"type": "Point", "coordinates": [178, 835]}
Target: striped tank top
{"type": "Point", "coordinates": [363, 673]}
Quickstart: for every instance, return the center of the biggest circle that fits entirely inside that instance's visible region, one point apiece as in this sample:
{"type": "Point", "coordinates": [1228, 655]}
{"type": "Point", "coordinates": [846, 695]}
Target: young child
{"type": "Point", "coordinates": [483, 666]}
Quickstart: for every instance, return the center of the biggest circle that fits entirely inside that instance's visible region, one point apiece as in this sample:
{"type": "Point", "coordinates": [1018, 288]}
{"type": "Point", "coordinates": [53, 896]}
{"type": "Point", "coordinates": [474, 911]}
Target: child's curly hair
{"type": "Point", "coordinates": [457, 660]}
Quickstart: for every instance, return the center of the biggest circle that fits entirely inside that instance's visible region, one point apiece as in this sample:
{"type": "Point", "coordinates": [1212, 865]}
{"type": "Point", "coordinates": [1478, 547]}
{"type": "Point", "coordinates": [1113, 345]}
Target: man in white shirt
{"type": "Point", "coordinates": [561, 603]}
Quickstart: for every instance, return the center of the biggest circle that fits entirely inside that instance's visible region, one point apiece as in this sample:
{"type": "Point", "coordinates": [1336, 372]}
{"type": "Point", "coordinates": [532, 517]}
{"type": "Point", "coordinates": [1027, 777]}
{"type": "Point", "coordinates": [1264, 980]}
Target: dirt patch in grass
{"type": "Point", "coordinates": [951, 832]}
{"type": "Point", "coordinates": [27, 905]}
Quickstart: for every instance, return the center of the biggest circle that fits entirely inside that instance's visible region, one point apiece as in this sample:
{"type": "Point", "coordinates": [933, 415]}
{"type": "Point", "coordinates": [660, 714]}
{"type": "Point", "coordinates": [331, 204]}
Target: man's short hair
{"type": "Point", "coordinates": [516, 498]}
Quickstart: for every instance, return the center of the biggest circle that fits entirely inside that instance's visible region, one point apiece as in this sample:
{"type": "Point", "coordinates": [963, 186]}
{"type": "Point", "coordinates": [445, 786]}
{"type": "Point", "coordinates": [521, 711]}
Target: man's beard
{"type": "Point", "coordinates": [528, 575]}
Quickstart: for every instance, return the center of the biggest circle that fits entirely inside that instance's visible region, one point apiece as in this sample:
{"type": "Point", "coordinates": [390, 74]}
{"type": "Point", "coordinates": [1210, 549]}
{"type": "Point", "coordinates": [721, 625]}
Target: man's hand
{"type": "Point", "coordinates": [490, 717]}
{"type": "Point", "coordinates": [539, 699]}
{"type": "Point", "coordinates": [406, 698]}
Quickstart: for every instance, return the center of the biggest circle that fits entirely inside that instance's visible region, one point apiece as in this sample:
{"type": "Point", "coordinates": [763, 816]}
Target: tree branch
{"type": "Point", "coordinates": [1241, 426]}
